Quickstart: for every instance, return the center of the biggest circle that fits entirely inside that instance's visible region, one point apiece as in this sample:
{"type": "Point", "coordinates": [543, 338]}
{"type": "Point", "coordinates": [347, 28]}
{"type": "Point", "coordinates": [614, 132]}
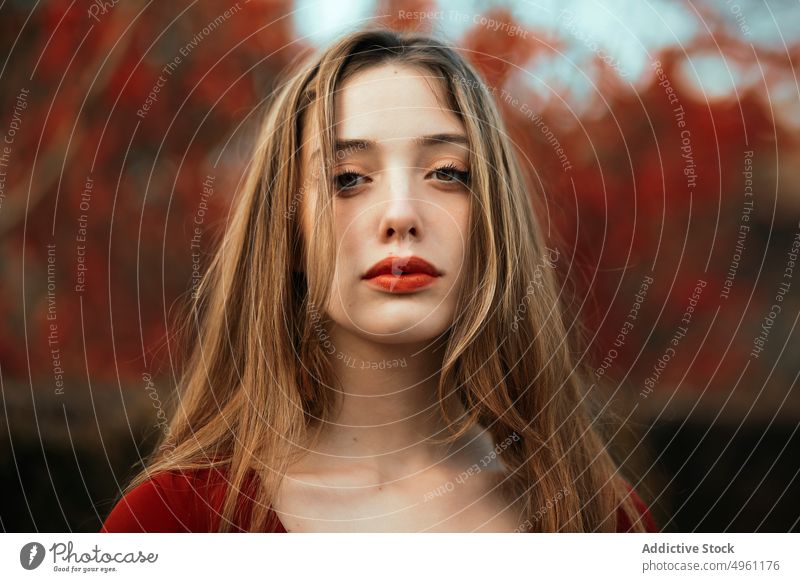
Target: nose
{"type": "Point", "coordinates": [400, 217]}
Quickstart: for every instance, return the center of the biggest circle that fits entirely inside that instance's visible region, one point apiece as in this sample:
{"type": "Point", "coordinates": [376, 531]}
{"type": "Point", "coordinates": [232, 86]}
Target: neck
{"type": "Point", "coordinates": [389, 403]}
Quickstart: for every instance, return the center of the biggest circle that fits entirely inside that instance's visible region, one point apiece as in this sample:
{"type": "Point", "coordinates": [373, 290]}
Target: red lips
{"type": "Point", "coordinates": [401, 275]}
{"type": "Point", "coordinates": [398, 266]}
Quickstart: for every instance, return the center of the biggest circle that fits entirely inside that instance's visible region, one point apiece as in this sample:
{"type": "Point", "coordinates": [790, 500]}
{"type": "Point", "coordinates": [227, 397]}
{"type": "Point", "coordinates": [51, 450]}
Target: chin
{"type": "Point", "coordinates": [403, 329]}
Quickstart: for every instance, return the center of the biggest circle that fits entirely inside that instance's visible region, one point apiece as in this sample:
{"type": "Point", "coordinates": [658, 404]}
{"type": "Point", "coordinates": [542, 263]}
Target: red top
{"type": "Point", "coordinates": [183, 502]}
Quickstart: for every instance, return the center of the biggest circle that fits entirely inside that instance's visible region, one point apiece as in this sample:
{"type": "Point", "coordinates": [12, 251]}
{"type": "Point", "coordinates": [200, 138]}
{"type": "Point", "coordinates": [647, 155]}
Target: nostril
{"type": "Point", "coordinates": [402, 234]}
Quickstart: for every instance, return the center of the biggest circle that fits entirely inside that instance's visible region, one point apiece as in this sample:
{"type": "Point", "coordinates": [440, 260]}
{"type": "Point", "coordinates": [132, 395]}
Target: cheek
{"type": "Point", "coordinates": [454, 222]}
{"type": "Point", "coordinates": [351, 230]}
{"type": "Point", "coordinates": [455, 239]}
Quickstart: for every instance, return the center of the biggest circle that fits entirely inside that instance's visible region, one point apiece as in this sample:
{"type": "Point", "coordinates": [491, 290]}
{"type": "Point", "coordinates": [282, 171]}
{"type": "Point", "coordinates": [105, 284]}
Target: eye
{"type": "Point", "coordinates": [451, 173]}
{"type": "Point", "coordinates": [348, 180]}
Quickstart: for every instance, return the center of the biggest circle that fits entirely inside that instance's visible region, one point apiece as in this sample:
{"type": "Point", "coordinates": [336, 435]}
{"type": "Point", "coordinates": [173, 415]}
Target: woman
{"type": "Point", "coordinates": [379, 346]}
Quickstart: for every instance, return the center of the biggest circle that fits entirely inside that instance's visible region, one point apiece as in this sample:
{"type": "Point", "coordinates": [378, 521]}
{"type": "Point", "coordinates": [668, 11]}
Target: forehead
{"type": "Point", "coordinates": [386, 103]}
{"type": "Point", "coordinates": [376, 98]}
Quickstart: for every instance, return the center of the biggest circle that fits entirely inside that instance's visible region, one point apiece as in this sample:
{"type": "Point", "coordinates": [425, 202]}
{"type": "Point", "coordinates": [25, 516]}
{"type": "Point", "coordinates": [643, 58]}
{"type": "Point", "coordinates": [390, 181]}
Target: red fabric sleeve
{"type": "Point", "coordinates": [169, 502]}
{"type": "Point", "coordinates": [146, 509]}
{"type": "Point", "coordinates": [624, 524]}
{"type": "Point", "coordinates": [179, 502]}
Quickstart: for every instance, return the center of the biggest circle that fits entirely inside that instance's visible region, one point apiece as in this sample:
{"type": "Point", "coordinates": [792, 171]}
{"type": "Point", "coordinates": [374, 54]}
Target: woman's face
{"type": "Point", "coordinates": [401, 173]}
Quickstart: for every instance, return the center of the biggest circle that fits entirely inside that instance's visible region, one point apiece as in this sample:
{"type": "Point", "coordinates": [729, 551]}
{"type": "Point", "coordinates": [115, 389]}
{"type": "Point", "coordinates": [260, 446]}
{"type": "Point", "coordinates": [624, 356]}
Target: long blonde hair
{"type": "Point", "coordinates": [254, 381]}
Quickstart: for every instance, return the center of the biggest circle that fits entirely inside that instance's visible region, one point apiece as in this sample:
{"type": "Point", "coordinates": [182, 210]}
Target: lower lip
{"type": "Point", "coordinates": [402, 283]}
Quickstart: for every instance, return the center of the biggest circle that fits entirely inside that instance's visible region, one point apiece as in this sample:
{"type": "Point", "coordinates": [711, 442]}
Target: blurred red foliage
{"type": "Point", "coordinates": [104, 108]}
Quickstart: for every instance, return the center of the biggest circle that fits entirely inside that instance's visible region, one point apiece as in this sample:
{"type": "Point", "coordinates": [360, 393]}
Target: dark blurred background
{"type": "Point", "coordinates": [662, 137]}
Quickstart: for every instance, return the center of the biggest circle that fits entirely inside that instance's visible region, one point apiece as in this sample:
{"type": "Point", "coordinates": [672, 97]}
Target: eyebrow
{"type": "Point", "coordinates": [344, 145]}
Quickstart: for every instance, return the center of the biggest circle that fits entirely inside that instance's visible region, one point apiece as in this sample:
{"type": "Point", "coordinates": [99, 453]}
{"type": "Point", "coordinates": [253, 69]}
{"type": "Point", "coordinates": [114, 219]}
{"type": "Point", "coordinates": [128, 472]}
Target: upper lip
{"type": "Point", "coordinates": [401, 266]}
